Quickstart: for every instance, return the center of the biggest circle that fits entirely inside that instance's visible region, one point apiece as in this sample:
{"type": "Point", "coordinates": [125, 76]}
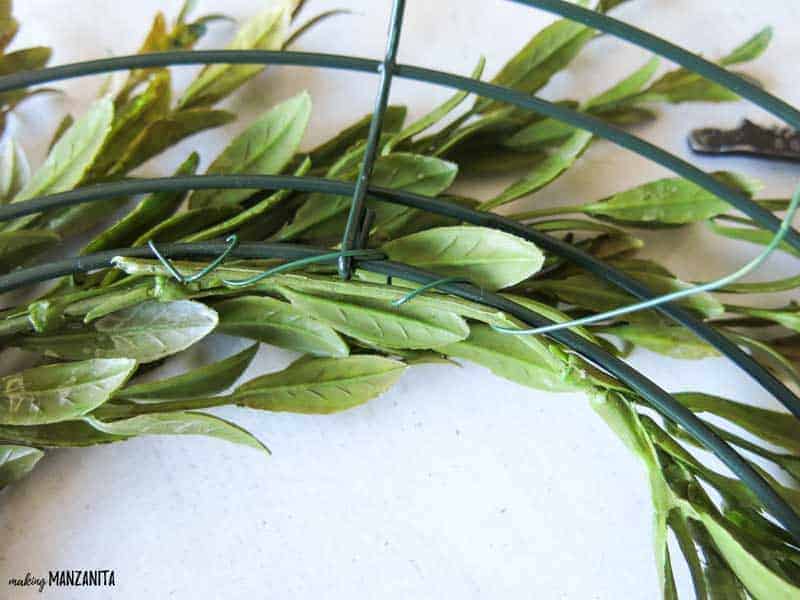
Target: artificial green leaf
{"type": "Point", "coordinates": [60, 392]}
{"type": "Point", "coordinates": [673, 201]}
{"type": "Point", "coordinates": [376, 322]}
{"type": "Point", "coordinates": [789, 316]}
{"type": "Point", "coordinates": [626, 88]}
{"type": "Point", "coordinates": [203, 381]}
{"type": "Point", "coordinates": [487, 257]}
{"type": "Point", "coordinates": [14, 170]}
{"type": "Point", "coordinates": [545, 172]}
{"type": "Point", "coordinates": [268, 30]}
{"type": "Point", "coordinates": [152, 211]}
{"type": "Point", "coordinates": [66, 434]}
{"type": "Point", "coordinates": [278, 323]}
{"type": "Point", "coordinates": [414, 173]}
{"type": "Point", "coordinates": [179, 423]}
{"type": "Point", "coordinates": [543, 56]}
{"type": "Point", "coordinates": [749, 50]}
{"type": "Point", "coordinates": [265, 147]}
{"type": "Point", "coordinates": [768, 356]}
{"type": "Point", "coordinates": [168, 131]}
{"type": "Point", "coordinates": [433, 117]}
{"type": "Point", "coordinates": [752, 234]}
{"type": "Point", "coordinates": [673, 341]}
{"type": "Point", "coordinates": [522, 359]}
{"type": "Point", "coordinates": [146, 332]}
{"type": "Point", "coordinates": [72, 155]}
{"type": "Point", "coordinates": [17, 247]}
{"type": "Point", "coordinates": [321, 385]}
{"type": "Point", "coordinates": [327, 153]}
{"type": "Point", "coordinates": [494, 160]}
{"type": "Point", "coordinates": [539, 135]}
{"type": "Point", "coordinates": [777, 428]}
{"type": "Point", "coordinates": [28, 59]}
{"type": "Point", "coordinates": [16, 462]}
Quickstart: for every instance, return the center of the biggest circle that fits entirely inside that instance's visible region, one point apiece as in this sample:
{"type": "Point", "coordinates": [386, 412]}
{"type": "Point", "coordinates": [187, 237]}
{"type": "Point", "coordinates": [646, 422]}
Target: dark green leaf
{"type": "Point", "coordinates": [18, 247]}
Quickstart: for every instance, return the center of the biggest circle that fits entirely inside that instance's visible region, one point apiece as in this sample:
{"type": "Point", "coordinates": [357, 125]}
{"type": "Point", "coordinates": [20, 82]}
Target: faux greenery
{"type": "Point", "coordinates": [93, 336]}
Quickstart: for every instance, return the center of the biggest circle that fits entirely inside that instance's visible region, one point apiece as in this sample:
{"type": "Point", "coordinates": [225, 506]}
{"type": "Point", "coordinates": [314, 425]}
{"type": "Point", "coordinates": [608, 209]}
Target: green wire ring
{"type": "Point", "coordinates": [424, 288]}
{"type": "Point", "coordinates": [680, 294]}
{"type": "Point", "coordinates": [232, 240]}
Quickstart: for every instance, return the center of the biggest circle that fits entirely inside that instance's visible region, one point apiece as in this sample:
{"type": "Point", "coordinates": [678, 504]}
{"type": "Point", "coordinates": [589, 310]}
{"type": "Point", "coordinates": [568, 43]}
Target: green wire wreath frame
{"type": "Point", "coordinates": [354, 240]}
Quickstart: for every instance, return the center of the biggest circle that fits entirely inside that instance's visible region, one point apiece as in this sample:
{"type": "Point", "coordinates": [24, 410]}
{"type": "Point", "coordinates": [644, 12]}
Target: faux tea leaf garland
{"type": "Point", "coordinates": [420, 276]}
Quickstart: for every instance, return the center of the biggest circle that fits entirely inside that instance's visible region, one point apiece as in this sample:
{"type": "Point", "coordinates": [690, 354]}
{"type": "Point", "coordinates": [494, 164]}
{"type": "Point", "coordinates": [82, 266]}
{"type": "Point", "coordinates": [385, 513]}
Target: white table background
{"type": "Point", "coordinates": [455, 484]}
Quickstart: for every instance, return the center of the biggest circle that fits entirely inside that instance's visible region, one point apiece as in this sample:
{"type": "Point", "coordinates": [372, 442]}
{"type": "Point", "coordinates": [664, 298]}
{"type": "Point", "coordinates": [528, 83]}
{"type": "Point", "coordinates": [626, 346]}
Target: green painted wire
{"type": "Point", "coordinates": [302, 262]}
{"type": "Point", "coordinates": [232, 241]}
{"type": "Point", "coordinates": [547, 242]}
{"type": "Point", "coordinates": [735, 198]}
{"type": "Point", "coordinates": [355, 218]}
{"type": "Point", "coordinates": [428, 286]}
{"type": "Point", "coordinates": [674, 296]}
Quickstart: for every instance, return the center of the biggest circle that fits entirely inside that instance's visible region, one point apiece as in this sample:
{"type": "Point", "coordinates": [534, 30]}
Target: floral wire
{"type": "Point", "coordinates": [680, 294]}
{"type": "Point", "coordinates": [302, 262]}
{"type": "Point", "coordinates": [232, 240]}
{"type": "Point", "coordinates": [424, 288]}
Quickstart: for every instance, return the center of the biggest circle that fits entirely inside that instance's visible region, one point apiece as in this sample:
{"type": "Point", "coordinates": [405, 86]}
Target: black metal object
{"type": "Point", "coordinates": [646, 388]}
{"type": "Point", "coordinates": [748, 139]}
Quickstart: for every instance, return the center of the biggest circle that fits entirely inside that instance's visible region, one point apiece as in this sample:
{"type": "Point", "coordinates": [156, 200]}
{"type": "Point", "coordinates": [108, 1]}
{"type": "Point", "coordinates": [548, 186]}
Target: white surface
{"type": "Point", "coordinates": [455, 484]}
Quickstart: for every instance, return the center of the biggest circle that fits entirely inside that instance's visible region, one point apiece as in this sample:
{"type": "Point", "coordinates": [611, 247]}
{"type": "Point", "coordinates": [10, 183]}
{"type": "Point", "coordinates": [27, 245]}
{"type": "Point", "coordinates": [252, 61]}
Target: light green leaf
{"type": "Point", "coordinates": [752, 234]}
{"type": "Point", "coordinates": [522, 359]}
{"type": "Point", "coordinates": [487, 257]}
{"type": "Point", "coordinates": [179, 423]}
{"type": "Point", "coordinates": [321, 385]}
{"type": "Point", "coordinates": [278, 323]}
{"type": "Point", "coordinates": [203, 381]}
{"type": "Point", "coordinates": [265, 147]}
{"type": "Point", "coordinates": [433, 117]}
{"type": "Point", "coordinates": [16, 462]}
{"type": "Point", "coordinates": [377, 322]}
{"type": "Point", "coordinates": [545, 172]}
{"type": "Point", "coordinates": [674, 201]}
{"type": "Point", "coordinates": [543, 56]}
{"type": "Point", "coordinates": [146, 332]}
{"type": "Point", "coordinates": [789, 316]}
{"type": "Point", "coordinates": [781, 429]}
{"type": "Point", "coordinates": [676, 342]}
{"type": "Point", "coordinates": [14, 170]}
{"type": "Point", "coordinates": [626, 88]}
{"type": "Point", "coordinates": [267, 30]}
{"type": "Point", "coordinates": [186, 223]}
{"type": "Point", "coordinates": [73, 154]}
{"type": "Point", "coordinates": [750, 50]}
{"type": "Point", "coordinates": [60, 392]}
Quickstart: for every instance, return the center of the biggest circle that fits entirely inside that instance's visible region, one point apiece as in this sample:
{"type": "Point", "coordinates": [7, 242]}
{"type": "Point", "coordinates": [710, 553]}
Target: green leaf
{"type": "Point", "coordinates": [72, 155]}
{"type": "Point", "coordinates": [28, 59]}
{"type": "Point", "coordinates": [321, 385]}
{"type": "Point", "coordinates": [522, 359]}
{"type": "Point", "coordinates": [626, 88]}
{"type": "Point", "coordinates": [543, 56]}
{"type": "Point", "coordinates": [673, 201]}
{"type": "Point", "coordinates": [278, 323]}
{"type": "Point", "coordinates": [60, 392]}
{"type": "Point", "coordinates": [789, 316]}
{"type": "Point", "coordinates": [487, 257]}
{"type": "Point", "coordinates": [146, 332]}
{"type": "Point", "coordinates": [152, 211]}
{"type": "Point", "coordinates": [751, 234]}
{"type": "Point", "coordinates": [14, 170]}
{"type": "Point", "coordinates": [327, 153]}
{"type": "Point", "coordinates": [168, 131]}
{"type": "Point", "coordinates": [424, 175]}
{"type": "Point", "coordinates": [433, 117]}
{"type": "Point", "coordinates": [377, 322]}
{"type": "Point", "coordinates": [18, 247]}
{"type": "Point", "coordinates": [203, 381]}
{"type": "Point", "coordinates": [780, 429]}
{"type": "Point", "coordinates": [265, 147]}
{"type": "Point", "coordinates": [750, 50]}
{"type": "Point", "coordinates": [267, 30]}
{"type": "Point", "coordinates": [545, 172]}
{"type": "Point", "coordinates": [179, 423]}
{"type": "Point", "coordinates": [67, 434]}
{"type": "Point", "coordinates": [676, 342]}
{"type": "Point", "coordinates": [16, 462]}
{"type": "Point", "coordinates": [186, 223]}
